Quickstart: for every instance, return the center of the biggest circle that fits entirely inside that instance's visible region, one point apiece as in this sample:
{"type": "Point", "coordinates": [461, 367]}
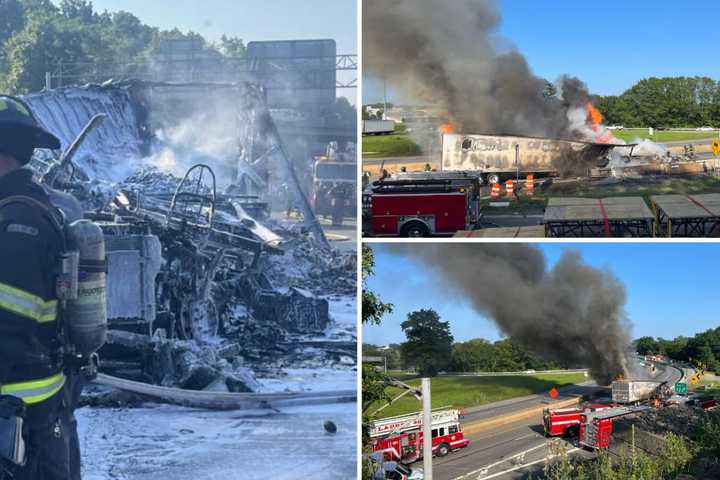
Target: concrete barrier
{"type": "Point", "coordinates": [483, 425]}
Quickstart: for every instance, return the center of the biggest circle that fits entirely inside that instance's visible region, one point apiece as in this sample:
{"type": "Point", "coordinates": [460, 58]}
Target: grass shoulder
{"type": "Point", "coordinates": [468, 391]}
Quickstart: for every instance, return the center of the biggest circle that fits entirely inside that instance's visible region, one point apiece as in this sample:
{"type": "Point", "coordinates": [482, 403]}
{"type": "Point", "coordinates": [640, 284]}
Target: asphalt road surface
{"type": "Point", "coordinates": [518, 449]}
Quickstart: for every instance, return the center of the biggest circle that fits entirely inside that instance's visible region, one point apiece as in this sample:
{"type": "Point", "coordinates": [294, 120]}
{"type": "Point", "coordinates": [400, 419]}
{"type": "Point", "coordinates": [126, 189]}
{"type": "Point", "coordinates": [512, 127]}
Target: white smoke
{"type": "Point", "coordinates": [201, 138]}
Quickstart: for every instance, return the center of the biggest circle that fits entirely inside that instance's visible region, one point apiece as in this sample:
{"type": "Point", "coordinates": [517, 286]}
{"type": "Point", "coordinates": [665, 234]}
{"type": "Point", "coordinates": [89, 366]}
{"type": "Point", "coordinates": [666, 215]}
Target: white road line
{"type": "Point", "coordinates": [482, 471]}
{"type": "Point", "coordinates": [488, 467]}
{"type": "Point", "coordinates": [527, 464]}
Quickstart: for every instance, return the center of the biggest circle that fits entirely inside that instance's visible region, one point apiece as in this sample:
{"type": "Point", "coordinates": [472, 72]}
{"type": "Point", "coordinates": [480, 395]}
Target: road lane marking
{"type": "Point", "coordinates": [481, 472]}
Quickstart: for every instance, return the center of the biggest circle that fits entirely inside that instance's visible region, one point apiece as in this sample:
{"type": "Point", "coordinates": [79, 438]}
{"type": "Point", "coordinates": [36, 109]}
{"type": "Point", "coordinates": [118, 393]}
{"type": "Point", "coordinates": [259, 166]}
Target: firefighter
{"type": "Point", "coordinates": [338, 198]}
{"type": "Point", "coordinates": [32, 367]}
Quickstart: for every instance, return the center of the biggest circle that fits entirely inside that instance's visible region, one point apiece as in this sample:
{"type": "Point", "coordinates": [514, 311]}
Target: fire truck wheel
{"type": "Point", "coordinates": [414, 230]}
{"type": "Point", "coordinates": [443, 449]}
{"type": "Point", "coordinates": [493, 178]}
{"type": "Point", "coordinates": [572, 432]}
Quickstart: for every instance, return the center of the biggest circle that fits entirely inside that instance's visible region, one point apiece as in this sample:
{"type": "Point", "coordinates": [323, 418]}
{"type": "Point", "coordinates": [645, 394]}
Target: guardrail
{"type": "Point", "coordinates": [503, 374]}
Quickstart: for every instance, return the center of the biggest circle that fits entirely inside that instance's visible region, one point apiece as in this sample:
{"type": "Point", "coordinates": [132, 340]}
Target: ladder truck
{"type": "Point", "coordinates": [400, 438]}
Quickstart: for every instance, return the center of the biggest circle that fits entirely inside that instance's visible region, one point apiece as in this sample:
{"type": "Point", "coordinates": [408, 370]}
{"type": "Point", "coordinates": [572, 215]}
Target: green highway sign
{"type": "Point", "coordinates": [681, 387]}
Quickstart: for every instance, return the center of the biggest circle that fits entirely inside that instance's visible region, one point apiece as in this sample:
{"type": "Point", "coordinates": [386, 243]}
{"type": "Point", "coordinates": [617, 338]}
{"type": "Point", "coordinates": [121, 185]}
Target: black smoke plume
{"type": "Point", "coordinates": [443, 52]}
{"type": "Point", "coordinates": [573, 313]}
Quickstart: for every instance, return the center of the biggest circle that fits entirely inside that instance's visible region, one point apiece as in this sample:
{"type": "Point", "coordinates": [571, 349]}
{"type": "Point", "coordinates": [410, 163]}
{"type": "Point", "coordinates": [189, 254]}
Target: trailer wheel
{"type": "Point", "coordinates": [443, 449]}
{"type": "Point", "coordinates": [415, 230]}
{"type": "Point", "coordinates": [493, 178]}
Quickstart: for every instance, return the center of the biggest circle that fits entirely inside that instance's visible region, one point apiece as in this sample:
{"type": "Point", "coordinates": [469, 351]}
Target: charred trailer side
{"type": "Point", "coordinates": [633, 391]}
{"type": "Point", "coordinates": [502, 157]}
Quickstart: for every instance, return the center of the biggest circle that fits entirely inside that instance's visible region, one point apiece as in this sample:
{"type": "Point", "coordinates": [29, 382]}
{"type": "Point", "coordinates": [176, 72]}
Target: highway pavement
{"type": "Point", "coordinates": [518, 448]}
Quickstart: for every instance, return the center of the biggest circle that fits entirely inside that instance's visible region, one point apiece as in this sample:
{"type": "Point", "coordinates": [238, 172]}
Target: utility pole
{"type": "Point", "coordinates": [384, 95]}
{"type": "Point", "coordinates": [427, 430]}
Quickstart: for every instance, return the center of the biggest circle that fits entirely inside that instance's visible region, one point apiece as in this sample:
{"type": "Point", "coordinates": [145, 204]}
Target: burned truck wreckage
{"type": "Point", "coordinates": [206, 289]}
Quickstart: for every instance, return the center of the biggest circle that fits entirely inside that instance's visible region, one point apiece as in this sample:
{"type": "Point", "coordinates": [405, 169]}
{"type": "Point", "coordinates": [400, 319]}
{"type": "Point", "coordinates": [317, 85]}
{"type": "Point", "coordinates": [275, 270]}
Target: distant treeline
{"type": "Point", "coordinates": [37, 36]}
{"type": "Point", "coordinates": [477, 355]}
{"type": "Point", "coordinates": [665, 102]}
{"type": "Point", "coordinates": [703, 347]}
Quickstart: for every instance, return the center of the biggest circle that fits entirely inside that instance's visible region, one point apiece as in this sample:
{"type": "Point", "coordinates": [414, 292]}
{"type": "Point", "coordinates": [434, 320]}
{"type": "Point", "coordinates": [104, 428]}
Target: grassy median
{"type": "Point", "coordinates": [396, 145]}
{"type": "Point", "coordinates": [630, 134]}
{"type": "Point", "coordinates": [464, 392]}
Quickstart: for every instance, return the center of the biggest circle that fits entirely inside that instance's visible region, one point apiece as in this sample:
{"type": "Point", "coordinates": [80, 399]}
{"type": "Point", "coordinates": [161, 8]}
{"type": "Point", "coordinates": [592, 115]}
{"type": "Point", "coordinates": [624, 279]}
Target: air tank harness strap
{"type": "Point", "coordinates": [54, 215]}
{"type": "Point", "coordinates": [35, 391]}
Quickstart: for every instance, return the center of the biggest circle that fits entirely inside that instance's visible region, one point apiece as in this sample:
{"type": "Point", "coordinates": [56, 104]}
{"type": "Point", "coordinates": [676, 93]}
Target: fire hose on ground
{"type": "Point", "coordinates": [227, 400]}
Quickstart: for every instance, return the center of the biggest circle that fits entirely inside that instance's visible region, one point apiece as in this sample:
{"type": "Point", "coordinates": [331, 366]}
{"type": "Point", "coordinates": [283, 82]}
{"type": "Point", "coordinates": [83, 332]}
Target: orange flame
{"type": "Point", "coordinates": [594, 116]}
{"type": "Point", "coordinates": [553, 392]}
{"type": "Point", "coordinates": [447, 128]}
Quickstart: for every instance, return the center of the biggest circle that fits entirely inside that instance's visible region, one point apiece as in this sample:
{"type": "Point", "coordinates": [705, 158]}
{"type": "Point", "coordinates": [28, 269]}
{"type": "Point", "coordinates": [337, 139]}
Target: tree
{"type": "Point", "coordinates": [647, 346]}
{"type": "Point", "coordinates": [374, 383]}
{"type": "Point", "coordinates": [669, 101]}
{"type": "Point", "coordinates": [429, 342]}
{"type": "Point", "coordinates": [80, 9]}
{"type": "Point", "coordinates": [11, 18]}
{"type": "Point", "coordinates": [475, 355]}
{"type": "Point", "coordinates": [372, 307]}
{"type": "Point", "coordinates": [232, 47]}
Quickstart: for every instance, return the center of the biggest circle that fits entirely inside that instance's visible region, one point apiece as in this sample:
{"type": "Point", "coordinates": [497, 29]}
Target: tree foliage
{"type": "Point", "coordinates": [476, 355]}
{"type": "Point", "coordinates": [429, 342]}
{"type": "Point", "coordinates": [665, 102]}
{"type": "Point", "coordinates": [372, 307]}
{"type": "Point", "coordinates": [38, 36]}
{"type": "Point", "coordinates": [703, 348]}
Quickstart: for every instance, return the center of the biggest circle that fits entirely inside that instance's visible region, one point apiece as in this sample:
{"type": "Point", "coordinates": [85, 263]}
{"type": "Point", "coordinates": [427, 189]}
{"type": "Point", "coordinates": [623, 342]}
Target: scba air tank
{"type": "Point", "coordinates": [86, 315]}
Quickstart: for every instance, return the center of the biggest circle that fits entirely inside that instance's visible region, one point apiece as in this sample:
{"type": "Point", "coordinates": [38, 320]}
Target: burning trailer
{"type": "Point", "coordinates": [206, 290]}
{"type": "Point", "coordinates": [501, 157]}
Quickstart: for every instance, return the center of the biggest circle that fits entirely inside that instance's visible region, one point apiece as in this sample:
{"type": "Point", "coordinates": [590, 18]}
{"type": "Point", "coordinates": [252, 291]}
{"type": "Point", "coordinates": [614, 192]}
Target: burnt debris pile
{"type": "Point", "coordinates": [572, 313]}
{"type": "Point", "coordinates": [206, 288]}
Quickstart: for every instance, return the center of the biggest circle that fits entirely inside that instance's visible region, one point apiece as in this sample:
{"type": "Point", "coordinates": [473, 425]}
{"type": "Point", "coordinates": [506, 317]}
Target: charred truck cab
{"type": "Point", "coordinates": [421, 204]}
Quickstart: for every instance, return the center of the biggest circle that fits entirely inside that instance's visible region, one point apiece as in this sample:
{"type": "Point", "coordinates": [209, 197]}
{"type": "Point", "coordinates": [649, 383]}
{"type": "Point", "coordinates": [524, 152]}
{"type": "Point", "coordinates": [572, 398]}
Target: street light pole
{"type": "Point", "coordinates": [427, 430]}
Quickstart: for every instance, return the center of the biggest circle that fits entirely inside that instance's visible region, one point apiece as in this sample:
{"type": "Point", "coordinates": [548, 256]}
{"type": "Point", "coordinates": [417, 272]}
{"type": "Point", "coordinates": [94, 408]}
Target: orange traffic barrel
{"type": "Point", "coordinates": [530, 185]}
{"type": "Point", "coordinates": [509, 189]}
{"type": "Point", "coordinates": [495, 190]}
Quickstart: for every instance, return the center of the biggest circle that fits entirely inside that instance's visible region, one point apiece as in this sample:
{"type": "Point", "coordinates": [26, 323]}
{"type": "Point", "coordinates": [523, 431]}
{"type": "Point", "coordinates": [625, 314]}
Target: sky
{"type": "Point", "coordinates": [611, 44]}
{"type": "Point", "coordinates": [672, 290]}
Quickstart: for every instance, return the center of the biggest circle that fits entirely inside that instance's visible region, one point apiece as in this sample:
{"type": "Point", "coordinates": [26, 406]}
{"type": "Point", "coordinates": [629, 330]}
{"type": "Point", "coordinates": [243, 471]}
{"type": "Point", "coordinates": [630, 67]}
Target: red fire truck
{"type": "Point", "coordinates": [421, 204]}
{"type": "Point", "coordinates": [400, 438]}
{"type": "Point", "coordinates": [565, 422]}
{"type": "Point", "coordinates": [596, 427]}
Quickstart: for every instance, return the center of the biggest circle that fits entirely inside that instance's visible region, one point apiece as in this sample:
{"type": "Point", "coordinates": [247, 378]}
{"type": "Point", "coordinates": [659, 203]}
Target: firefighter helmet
{"type": "Point", "coordinates": [20, 131]}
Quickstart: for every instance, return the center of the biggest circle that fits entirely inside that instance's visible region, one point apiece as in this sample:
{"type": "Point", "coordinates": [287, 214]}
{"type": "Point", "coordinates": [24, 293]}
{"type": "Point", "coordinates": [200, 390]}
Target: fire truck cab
{"type": "Point", "coordinates": [421, 204]}
{"type": "Point", "coordinates": [401, 438]}
{"type": "Point", "coordinates": [565, 422]}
